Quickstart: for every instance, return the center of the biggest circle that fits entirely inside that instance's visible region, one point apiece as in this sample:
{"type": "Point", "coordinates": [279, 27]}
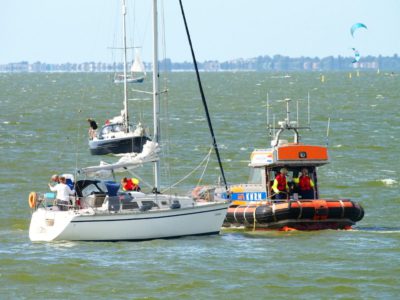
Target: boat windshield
{"type": "Point", "coordinates": [92, 189]}
{"type": "Point", "coordinates": [111, 128]}
{"type": "Point", "coordinates": [85, 188]}
{"type": "Point", "coordinates": [256, 175]}
{"type": "Point", "coordinates": [293, 173]}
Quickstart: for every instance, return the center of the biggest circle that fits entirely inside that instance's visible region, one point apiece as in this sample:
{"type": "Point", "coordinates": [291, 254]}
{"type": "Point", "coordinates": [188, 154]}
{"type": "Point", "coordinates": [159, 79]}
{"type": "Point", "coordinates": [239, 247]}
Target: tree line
{"type": "Point", "coordinates": [258, 64]}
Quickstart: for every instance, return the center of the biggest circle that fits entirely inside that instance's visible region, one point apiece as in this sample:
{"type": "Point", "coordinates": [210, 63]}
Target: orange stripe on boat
{"type": "Point", "coordinates": [302, 152]}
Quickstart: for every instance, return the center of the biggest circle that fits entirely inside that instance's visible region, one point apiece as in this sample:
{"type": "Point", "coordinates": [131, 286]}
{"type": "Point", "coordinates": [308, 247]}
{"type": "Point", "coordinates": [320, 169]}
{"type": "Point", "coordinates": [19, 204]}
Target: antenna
{"type": "Point", "coordinates": [267, 109]}
{"type": "Point", "coordinates": [327, 131]}
{"type": "Point", "coordinates": [297, 107]}
{"type": "Point", "coordinates": [308, 108]}
{"type": "Point", "coordinates": [273, 125]}
{"type": "Point", "coordinates": [287, 110]}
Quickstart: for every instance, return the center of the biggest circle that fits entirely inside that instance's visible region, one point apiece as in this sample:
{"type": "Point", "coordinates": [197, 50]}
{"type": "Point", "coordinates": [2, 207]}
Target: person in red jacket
{"type": "Point", "coordinates": [305, 185]}
{"type": "Point", "coordinates": [280, 186]}
{"type": "Point", "coordinates": [130, 184]}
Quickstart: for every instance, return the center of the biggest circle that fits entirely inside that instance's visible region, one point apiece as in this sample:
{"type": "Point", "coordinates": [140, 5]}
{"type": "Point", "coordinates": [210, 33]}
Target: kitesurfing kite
{"type": "Point", "coordinates": [355, 27]}
{"type": "Point", "coordinates": [356, 56]}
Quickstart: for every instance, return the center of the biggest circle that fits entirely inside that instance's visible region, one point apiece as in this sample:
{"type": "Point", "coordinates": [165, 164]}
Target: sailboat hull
{"type": "Point", "coordinates": [118, 145]}
{"type": "Point", "coordinates": [130, 80]}
{"type": "Point", "coordinates": [129, 226]}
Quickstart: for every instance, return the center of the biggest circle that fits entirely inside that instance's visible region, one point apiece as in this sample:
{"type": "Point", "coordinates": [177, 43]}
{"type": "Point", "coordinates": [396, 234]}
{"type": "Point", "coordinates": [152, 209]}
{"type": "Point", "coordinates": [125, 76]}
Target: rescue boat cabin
{"type": "Point", "coordinates": [266, 164]}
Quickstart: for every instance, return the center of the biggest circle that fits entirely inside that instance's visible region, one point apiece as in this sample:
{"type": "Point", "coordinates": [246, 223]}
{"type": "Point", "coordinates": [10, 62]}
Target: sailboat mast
{"type": "Point", "coordinates": [156, 96]}
{"type": "Point", "coordinates": [125, 115]}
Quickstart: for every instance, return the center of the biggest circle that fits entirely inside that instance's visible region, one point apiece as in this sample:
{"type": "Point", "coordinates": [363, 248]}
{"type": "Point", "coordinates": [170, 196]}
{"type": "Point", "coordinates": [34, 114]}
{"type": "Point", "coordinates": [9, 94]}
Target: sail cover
{"type": "Point", "coordinates": [128, 161]}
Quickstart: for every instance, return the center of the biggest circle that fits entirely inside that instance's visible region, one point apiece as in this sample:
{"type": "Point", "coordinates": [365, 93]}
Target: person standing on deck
{"type": "Point", "coordinates": [92, 129]}
{"type": "Point", "coordinates": [55, 178]}
{"type": "Point", "coordinates": [305, 185]}
{"type": "Point", "coordinates": [63, 193]}
{"type": "Point", "coordinates": [280, 186]}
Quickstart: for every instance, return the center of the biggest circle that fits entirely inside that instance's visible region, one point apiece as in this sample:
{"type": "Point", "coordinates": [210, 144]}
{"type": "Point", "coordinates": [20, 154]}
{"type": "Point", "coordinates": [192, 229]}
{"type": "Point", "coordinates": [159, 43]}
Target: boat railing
{"type": "Point", "coordinates": [104, 203]}
{"type": "Point", "coordinates": [48, 201]}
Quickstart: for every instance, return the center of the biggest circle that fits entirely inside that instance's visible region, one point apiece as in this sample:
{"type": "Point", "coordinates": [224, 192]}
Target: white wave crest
{"type": "Point", "coordinates": [388, 181]}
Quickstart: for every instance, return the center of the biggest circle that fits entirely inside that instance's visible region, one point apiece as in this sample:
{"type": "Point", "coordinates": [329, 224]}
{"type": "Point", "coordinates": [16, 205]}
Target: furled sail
{"type": "Point", "coordinates": [128, 161]}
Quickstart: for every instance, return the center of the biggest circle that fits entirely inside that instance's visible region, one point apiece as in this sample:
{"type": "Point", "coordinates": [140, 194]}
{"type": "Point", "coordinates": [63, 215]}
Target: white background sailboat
{"type": "Point", "coordinates": [100, 213]}
{"type": "Point", "coordinates": [137, 74]}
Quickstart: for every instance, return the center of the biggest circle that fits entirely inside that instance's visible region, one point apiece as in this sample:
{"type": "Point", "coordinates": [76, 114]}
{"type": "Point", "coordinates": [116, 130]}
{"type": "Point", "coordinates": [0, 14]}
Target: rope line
{"type": "Point", "coordinates": [207, 157]}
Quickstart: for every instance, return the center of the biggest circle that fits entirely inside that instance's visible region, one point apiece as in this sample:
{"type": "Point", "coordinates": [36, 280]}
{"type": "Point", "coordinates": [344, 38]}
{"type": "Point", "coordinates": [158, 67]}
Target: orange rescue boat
{"type": "Point", "coordinates": [261, 205]}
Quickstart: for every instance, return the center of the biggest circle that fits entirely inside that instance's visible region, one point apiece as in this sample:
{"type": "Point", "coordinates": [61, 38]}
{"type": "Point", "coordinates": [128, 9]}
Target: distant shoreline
{"type": "Point", "coordinates": [277, 63]}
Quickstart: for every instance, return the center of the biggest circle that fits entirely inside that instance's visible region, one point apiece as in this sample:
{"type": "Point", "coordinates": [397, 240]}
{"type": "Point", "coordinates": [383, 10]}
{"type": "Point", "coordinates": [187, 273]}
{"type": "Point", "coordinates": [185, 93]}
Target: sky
{"type": "Point", "coordinates": [75, 31]}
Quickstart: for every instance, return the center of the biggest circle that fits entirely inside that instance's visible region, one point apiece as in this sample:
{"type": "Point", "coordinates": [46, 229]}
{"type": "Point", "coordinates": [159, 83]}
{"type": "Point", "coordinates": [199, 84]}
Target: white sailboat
{"type": "Point", "coordinates": [100, 212]}
{"type": "Point", "coordinates": [137, 74]}
{"type": "Point", "coordinates": [118, 135]}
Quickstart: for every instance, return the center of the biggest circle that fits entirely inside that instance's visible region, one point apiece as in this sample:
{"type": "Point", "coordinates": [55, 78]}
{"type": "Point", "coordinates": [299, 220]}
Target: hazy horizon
{"type": "Point", "coordinates": [73, 31]}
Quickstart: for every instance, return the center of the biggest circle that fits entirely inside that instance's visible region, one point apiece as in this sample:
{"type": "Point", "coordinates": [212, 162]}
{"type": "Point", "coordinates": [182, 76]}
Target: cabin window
{"type": "Point", "coordinates": [90, 190]}
{"type": "Point", "coordinates": [117, 128]}
{"type": "Point", "coordinates": [105, 130]}
{"type": "Point", "coordinates": [135, 205]}
{"type": "Point", "coordinates": [256, 176]}
{"type": "Point", "coordinates": [149, 203]}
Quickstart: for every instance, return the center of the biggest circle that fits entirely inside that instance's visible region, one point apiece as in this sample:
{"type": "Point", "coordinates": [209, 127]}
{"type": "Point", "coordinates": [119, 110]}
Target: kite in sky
{"type": "Point", "coordinates": [355, 27]}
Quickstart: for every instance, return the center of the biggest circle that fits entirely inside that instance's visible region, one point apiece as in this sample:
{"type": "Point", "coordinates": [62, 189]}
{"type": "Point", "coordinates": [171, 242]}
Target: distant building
{"type": "Point", "coordinates": [257, 64]}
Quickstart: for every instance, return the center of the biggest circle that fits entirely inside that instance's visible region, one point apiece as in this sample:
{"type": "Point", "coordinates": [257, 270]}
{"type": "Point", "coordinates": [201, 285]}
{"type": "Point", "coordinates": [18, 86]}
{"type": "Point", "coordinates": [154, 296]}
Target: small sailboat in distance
{"type": "Point", "coordinates": [137, 74]}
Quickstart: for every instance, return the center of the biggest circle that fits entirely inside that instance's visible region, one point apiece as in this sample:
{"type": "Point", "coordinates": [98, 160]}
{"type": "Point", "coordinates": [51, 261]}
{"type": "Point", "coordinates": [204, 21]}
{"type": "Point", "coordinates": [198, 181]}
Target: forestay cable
{"type": "Point", "coordinates": [203, 98]}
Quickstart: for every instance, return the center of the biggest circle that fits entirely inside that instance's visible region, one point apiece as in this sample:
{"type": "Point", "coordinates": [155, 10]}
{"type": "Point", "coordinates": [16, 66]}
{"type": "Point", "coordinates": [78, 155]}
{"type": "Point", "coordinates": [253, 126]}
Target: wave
{"type": "Point", "coordinates": [388, 181]}
{"type": "Point", "coordinates": [378, 229]}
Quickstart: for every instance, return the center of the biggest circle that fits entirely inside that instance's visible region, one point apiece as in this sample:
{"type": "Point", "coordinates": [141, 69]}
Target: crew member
{"type": "Point", "coordinates": [63, 193]}
{"type": "Point", "coordinates": [280, 186]}
{"type": "Point", "coordinates": [130, 184]}
{"type": "Point", "coordinates": [305, 185]}
{"type": "Point", "coordinates": [55, 179]}
{"type": "Point", "coordinates": [92, 128]}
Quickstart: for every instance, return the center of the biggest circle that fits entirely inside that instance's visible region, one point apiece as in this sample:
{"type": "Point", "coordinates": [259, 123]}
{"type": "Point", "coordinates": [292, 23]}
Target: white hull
{"type": "Point", "coordinates": [130, 80]}
{"type": "Point", "coordinates": [91, 225]}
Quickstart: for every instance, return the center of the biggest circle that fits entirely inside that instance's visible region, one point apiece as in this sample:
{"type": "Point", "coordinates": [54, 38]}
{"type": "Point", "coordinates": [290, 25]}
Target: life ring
{"type": "Point", "coordinates": [32, 199]}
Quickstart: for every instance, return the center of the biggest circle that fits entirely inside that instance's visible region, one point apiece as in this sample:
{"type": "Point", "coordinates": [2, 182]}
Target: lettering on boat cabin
{"type": "Point", "coordinates": [249, 196]}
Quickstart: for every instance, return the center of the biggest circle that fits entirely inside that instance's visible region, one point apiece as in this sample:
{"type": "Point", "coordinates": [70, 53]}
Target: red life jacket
{"type": "Point", "coordinates": [130, 186]}
{"type": "Point", "coordinates": [305, 183]}
{"type": "Point", "coordinates": [281, 182]}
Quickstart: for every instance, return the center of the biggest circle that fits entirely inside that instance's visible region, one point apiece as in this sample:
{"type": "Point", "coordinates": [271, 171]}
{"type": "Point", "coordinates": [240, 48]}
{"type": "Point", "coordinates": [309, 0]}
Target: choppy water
{"type": "Point", "coordinates": [43, 131]}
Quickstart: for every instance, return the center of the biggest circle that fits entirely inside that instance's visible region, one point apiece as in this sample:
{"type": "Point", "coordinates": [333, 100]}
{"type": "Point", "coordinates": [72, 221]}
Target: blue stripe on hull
{"type": "Point", "coordinates": [149, 218]}
{"type": "Point", "coordinates": [159, 238]}
{"type": "Point", "coordinates": [128, 145]}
